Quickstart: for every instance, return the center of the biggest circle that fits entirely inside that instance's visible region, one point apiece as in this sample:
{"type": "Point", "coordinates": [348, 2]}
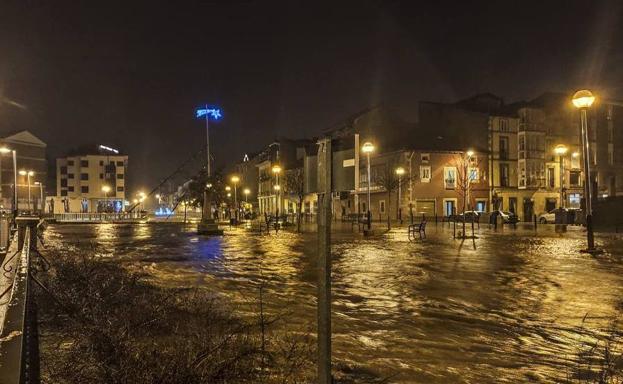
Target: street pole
{"type": "Point", "coordinates": [15, 207]}
{"type": "Point", "coordinates": [208, 141]}
{"type": "Point", "coordinates": [587, 181]}
{"type": "Point", "coordinates": [324, 261]}
{"type": "Point", "coordinates": [28, 178]}
{"type": "Point", "coordinates": [369, 182]}
{"type": "Point", "coordinates": [562, 180]}
{"type": "Point", "coordinates": [236, 200]}
{"type": "Point", "coordinates": [399, 197]}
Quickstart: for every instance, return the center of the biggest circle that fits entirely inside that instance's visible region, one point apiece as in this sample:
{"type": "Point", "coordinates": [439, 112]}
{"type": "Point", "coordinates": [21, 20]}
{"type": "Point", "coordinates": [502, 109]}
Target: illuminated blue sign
{"type": "Point", "coordinates": [212, 113]}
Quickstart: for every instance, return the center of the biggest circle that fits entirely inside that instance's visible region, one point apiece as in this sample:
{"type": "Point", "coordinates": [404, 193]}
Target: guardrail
{"type": "Point", "coordinates": [97, 217]}
{"type": "Point", "coordinates": [19, 345]}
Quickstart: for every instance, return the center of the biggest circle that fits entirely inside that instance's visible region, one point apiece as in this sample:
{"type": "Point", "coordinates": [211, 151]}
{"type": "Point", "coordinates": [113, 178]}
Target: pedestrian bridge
{"type": "Point", "coordinates": [121, 217]}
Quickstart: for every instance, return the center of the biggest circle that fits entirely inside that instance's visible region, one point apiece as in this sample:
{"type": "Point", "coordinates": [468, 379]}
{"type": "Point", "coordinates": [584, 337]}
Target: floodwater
{"type": "Point", "coordinates": [510, 306]}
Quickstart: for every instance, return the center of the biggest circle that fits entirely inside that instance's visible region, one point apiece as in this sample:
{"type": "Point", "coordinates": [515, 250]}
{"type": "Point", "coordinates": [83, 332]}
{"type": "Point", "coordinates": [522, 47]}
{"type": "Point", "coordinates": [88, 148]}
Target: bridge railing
{"type": "Point", "coordinates": [97, 217]}
{"type": "Point", "coordinates": [19, 347]}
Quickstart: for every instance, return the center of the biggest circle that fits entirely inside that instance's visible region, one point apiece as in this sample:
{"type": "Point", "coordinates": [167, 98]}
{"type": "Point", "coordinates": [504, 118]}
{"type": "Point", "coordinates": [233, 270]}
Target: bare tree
{"type": "Point", "coordinates": [295, 186]}
{"type": "Point", "coordinates": [467, 168]}
{"type": "Point", "coordinates": [388, 180]}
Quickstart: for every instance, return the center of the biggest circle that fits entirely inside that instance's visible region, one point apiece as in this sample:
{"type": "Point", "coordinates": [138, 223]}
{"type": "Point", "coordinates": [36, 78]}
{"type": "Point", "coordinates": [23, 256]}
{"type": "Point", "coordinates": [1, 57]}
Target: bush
{"type": "Point", "coordinates": [100, 323]}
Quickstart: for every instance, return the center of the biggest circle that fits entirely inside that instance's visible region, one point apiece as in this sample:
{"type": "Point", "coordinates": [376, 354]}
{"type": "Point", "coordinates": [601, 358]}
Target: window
{"type": "Point", "coordinates": [472, 174]}
{"type": "Point", "coordinates": [101, 175]}
{"type": "Point", "coordinates": [425, 158]}
{"type": "Point", "coordinates": [574, 178]}
{"type": "Point", "coordinates": [574, 200]}
{"type": "Point", "coordinates": [119, 163]}
{"type": "Point", "coordinates": [119, 189]}
{"type": "Point", "coordinates": [84, 189]}
{"type": "Point", "coordinates": [70, 175]}
{"type": "Point", "coordinates": [551, 177]}
{"type": "Point", "coordinates": [70, 188]}
{"type": "Point", "coordinates": [84, 163]}
{"type": "Point", "coordinates": [425, 174]}
{"type": "Point", "coordinates": [610, 154]}
{"type": "Point", "coordinates": [504, 177]}
{"type": "Point", "coordinates": [84, 176]}
{"type": "Point", "coordinates": [102, 162]}
{"type": "Point", "coordinates": [382, 206]}
{"type": "Point", "coordinates": [70, 162]}
{"type": "Point", "coordinates": [63, 192]}
{"type": "Point", "coordinates": [481, 205]}
{"type": "Point", "coordinates": [575, 160]}
{"type": "Point", "coordinates": [503, 147]}
{"type": "Point", "coordinates": [63, 170]}
{"type": "Point", "coordinates": [449, 177]}
{"type": "Point", "coordinates": [503, 125]}
{"type": "Point", "coordinates": [120, 176]}
{"type": "Point", "coordinates": [63, 183]}
{"type": "Point", "coordinates": [512, 204]}
{"type": "Point", "coordinates": [449, 207]}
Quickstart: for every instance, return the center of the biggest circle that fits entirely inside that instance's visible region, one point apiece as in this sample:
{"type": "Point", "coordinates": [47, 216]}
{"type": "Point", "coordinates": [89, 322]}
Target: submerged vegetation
{"type": "Point", "coordinates": [100, 323]}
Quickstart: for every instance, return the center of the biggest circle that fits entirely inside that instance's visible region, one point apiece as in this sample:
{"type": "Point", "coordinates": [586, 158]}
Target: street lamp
{"type": "Point", "coordinates": [368, 148]}
{"type": "Point", "coordinates": [235, 179]}
{"type": "Point", "coordinates": [560, 150]}
{"type": "Point", "coordinates": [400, 171]}
{"type": "Point", "coordinates": [105, 189]}
{"type": "Point", "coordinates": [583, 100]}
{"type": "Point", "coordinates": [246, 192]}
{"type": "Point", "coordinates": [40, 184]}
{"type": "Point", "coordinates": [277, 170]}
{"type": "Point", "coordinates": [467, 197]}
{"type": "Point", "coordinates": [4, 150]}
{"type": "Point", "coordinates": [28, 174]}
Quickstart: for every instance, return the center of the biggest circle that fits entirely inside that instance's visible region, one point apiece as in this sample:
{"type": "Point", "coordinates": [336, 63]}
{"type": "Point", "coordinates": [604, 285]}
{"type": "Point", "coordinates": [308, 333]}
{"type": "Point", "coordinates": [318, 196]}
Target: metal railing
{"type": "Point", "coordinates": [19, 346]}
{"type": "Point", "coordinates": [97, 217]}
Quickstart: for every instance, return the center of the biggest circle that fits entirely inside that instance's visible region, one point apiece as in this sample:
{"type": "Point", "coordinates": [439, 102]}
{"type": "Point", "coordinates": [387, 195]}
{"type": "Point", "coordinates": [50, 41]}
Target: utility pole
{"type": "Point", "coordinates": [324, 260]}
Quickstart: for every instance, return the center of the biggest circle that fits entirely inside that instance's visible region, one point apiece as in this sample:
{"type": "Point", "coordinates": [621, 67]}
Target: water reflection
{"type": "Point", "coordinates": [507, 307]}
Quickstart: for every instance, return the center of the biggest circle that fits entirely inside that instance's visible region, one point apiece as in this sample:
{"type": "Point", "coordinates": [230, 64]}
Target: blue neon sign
{"type": "Point", "coordinates": [212, 113]}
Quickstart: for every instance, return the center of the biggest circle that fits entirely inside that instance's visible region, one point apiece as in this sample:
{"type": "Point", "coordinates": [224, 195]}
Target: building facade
{"type": "Point", "coordinates": [91, 182]}
{"type": "Point", "coordinates": [31, 158]}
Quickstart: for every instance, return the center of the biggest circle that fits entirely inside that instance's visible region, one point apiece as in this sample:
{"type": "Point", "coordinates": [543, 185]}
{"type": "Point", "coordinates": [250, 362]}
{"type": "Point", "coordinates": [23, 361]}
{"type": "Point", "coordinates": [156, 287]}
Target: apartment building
{"type": "Point", "coordinates": [91, 180]}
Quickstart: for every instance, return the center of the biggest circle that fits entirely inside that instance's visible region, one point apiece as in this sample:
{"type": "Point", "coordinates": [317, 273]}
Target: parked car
{"type": "Point", "coordinates": [469, 216]}
{"type": "Point", "coordinates": [507, 217]}
{"type": "Point", "coordinates": [548, 217]}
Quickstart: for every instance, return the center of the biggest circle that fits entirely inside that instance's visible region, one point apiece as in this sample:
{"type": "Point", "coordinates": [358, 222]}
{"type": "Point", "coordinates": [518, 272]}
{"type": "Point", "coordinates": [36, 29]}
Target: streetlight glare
{"type": "Point", "coordinates": [367, 147]}
{"type": "Point", "coordinates": [23, 173]}
{"type": "Point", "coordinates": [235, 179]}
{"type": "Point", "coordinates": [246, 191]}
{"type": "Point", "coordinates": [276, 168]}
{"type": "Point", "coordinates": [277, 187]}
{"type": "Point", "coordinates": [560, 149]}
{"type": "Point", "coordinates": [400, 171]}
{"type": "Point", "coordinates": [106, 189]}
{"type": "Point", "coordinates": [4, 150]}
{"type": "Point", "coordinates": [583, 99]}
{"type": "Point", "coordinates": [228, 188]}
{"type": "Point", "coordinates": [470, 153]}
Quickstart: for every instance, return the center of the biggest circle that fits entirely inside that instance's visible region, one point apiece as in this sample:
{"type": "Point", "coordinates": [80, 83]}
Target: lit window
{"type": "Point", "coordinates": [473, 174]}
{"type": "Point", "coordinates": [425, 157]}
{"type": "Point", "coordinates": [425, 174]}
{"type": "Point", "coordinates": [449, 177]}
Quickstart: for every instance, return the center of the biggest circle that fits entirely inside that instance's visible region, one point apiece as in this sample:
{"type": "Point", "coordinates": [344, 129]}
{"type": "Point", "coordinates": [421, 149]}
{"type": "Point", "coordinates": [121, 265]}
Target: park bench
{"type": "Point", "coordinates": [419, 228]}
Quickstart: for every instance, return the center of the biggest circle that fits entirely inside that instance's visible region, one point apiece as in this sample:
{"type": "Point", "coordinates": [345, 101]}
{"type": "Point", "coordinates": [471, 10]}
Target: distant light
{"type": "Point", "coordinates": [583, 99]}
{"type": "Point", "coordinates": [166, 211]}
{"type": "Point", "coordinates": [276, 168]}
{"type": "Point", "coordinates": [105, 148]}
{"type": "Point", "coordinates": [277, 187]}
{"type": "Point", "coordinates": [105, 189]}
{"type": "Point", "coordinates": [400, 171]}
{"type": "Point", "coordinates": [470, 153]}
{"type": "Point", "coordinates": [575, 154]}
{"type": "Point", "coordinates": [560, 149]}
{"type": "Point", "coordinates": [235, 179]}
{"type": "Point", "coordinates": [227, 188]}
{"type": "Point", "coordinates": [209, 185]}
{"type": "Point", "coordinates": [367, 147]}
{"type": "Point", "coordinates": [247, 191]}
{"type": "Point", "coordinates": [213, 113]}
{"type": "Point", "coordinates": [4, 150]}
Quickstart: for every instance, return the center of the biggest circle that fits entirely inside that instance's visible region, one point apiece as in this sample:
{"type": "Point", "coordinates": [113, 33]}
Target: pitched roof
{"type": "Point", "coordinates": [24, 137]}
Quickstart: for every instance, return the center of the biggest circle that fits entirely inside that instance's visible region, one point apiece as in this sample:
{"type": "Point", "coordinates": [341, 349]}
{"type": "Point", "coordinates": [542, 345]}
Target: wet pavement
{"type": "Point", "coordinates": [510, 306]}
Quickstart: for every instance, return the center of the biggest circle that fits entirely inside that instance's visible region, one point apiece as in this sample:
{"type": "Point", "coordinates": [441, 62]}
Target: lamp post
{"type": "Point", "coordinates": [583, 100]}
{"type": "Point", "coordinates": [105, 189]}
{"type": "Point", "coordinates": [235, 180]}
{"type": "Point", "coordinates": [28, 174]}
{"type": "Point", "coordinates": [277, 170]}
{"type": "Point", "coordinates": [560, 150]}
{"type": "Point", "coordinates": [40, 184]}
{"type": "Point", "coordinates": [246, 192]}
{"type": "Point", "coordinates": [368, 148]}
{"type": "Point", "coordinates": [399, 171]}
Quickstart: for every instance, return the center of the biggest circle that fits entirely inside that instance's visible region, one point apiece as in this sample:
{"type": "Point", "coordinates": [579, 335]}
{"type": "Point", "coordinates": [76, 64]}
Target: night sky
{"type": "Point", "coordinates": [131, 76]}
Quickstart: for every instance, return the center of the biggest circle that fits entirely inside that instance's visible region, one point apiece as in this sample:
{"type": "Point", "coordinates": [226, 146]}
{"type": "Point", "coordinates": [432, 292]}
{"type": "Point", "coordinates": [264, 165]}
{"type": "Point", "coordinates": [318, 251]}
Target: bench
{"type": "Point", "coordinates": [419, 228]}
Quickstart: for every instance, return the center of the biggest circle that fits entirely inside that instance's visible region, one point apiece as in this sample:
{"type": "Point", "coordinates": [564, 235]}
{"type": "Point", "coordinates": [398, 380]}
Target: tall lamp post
{"type": "Point", "coordinates": [277, 170]}
{"type": "Point", "coordinates": [368, 148]}
{"type": "Point", "coordinates": [561, 150]}
{"type": "Point", "coordinates": [28, 174]}
{"type": "Point", "coordinates": [583, 100]}
{"type": "Point", "coordinates": [214, 114]}
{"type": "Point", "coordinates": [105, 189]}
{"type": "Point", "coordinates": [399, 171]}
{"type": "Point", "coordinates": [235, 180]}
{"type": "Point", "coordinates": [40, 184]}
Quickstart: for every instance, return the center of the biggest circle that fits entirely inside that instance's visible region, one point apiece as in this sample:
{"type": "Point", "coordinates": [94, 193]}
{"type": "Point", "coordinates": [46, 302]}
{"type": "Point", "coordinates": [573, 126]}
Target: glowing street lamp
{"type": "Point", "coordinates": [368, 148]}
{"type": "Point", "coordinates": [583, 100]}
{"type": "Point", "coordinates": [106, 189]}
{"type": "Point", "coordinates": [28, 174]}
{"type": "Point", "coordinates": [246, 192]}
{"type": "Point", "coordinates": [277, 170]}
{"type": "Point", "coordinates": [400, 171]}
{"type": "Point", "coordinates": [235, 179]}
{"type": "Point", "coordinates": [5, 150]}
{"type": "Point", "coordinates": [209, 113]}
{"type": "Point", "coordinates": [561, 150]}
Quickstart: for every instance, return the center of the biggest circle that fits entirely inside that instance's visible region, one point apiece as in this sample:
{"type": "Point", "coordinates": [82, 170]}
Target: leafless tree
{"type": "Point", "coordinates": [388, 180]}
{"type": "Point", "coordinates": [465, 178]}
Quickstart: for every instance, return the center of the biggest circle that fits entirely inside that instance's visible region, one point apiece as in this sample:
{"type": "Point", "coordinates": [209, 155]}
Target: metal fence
{"type": "Point", "coordinates": [98, 217]}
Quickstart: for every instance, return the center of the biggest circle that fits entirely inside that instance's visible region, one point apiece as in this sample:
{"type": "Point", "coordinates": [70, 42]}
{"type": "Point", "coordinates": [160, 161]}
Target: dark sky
{"type": "Point", "coordinates": [130, 74]}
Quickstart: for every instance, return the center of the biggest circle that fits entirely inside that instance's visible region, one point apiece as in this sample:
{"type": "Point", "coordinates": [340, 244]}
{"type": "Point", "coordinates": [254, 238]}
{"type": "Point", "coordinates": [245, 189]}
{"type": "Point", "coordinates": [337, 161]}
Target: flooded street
{"type": "Point", "coordinates": [507, 307]}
